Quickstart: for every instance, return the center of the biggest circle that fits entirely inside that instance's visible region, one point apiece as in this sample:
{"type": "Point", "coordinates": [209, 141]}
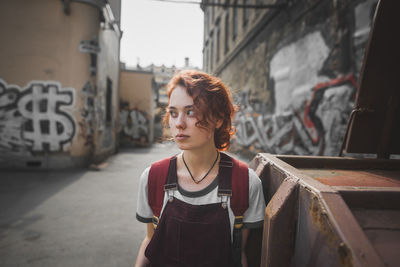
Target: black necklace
{"type": "Point", "coordinates": [194, 180]}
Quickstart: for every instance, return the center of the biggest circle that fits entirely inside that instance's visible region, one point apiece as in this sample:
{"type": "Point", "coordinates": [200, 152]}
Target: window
{"type": "Point", "coordinates": [235, 20]}
{"type": "Point", "coordinates": [218, 41]}
{"type": "Point", "coordinates": [212, 14]}
{"type": "Point", "coordinates": [226, 3]}
{"type": "Point", "coordinates": [206, 21]}
{"type": "Point", "coordinates": [226, 33]}
{"type": "Point", "coordinates": [246, 13]}
{"type": "Point", "coordinates": [209, 19]}
{"type": "Point", "coordinates": [209, 58]}
{"type": "Point", "coordinates": [108, 100]}
{"type": "Point", "coordinates": [212, 55]}
{"type": "Point", "coordinates": [258, 11]}
{"type": "Point", "coordinates": [206, 61]}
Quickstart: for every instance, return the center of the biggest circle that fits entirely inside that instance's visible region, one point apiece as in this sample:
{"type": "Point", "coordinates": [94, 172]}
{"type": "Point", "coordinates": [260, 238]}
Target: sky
{"type": "Point", "coordinates": [161, 33]}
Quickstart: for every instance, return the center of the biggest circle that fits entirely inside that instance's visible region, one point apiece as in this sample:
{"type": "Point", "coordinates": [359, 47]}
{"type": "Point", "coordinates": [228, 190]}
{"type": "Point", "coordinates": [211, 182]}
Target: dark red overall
{"type": "Point", "coordinates": [193, 235]}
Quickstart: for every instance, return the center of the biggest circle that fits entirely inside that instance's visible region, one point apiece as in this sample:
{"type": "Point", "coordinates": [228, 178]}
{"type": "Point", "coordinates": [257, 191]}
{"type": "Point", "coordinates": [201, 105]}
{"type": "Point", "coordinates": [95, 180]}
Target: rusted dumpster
{"type": "Point", "coordinates": [344, 211]}
{"type": "Point", "coordinates": [330, 211]}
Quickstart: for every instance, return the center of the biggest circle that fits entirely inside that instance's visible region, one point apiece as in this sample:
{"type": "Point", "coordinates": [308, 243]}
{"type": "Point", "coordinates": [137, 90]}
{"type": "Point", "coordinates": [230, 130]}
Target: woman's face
{"type": "Point", "coordinates": [182, 121]}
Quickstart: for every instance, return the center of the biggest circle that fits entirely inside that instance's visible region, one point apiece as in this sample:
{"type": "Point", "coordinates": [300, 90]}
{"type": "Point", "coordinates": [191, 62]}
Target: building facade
{"type": "Point", "coordinates": [293, 67]}
{"type": "Point", "coordinates": [59, 81]}
{"type": "Point", "coordinates": [143, 99]}
{"type": "Point", "coordinates": [137, 107]}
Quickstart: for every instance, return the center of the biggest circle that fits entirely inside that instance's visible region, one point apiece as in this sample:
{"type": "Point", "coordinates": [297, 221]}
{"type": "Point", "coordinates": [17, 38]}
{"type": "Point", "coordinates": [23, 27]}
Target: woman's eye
{"type": "Point", "coordinates": [172, 113]}
{"type": "Point", "coordinates": [190, 113]}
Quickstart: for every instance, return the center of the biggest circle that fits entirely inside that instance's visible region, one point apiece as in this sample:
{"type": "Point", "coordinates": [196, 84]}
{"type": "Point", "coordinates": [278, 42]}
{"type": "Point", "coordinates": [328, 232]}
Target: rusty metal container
{"type": "Point", "coordinates": [330, 211]}
{"type": "Point", "coordinates": [344, 211]}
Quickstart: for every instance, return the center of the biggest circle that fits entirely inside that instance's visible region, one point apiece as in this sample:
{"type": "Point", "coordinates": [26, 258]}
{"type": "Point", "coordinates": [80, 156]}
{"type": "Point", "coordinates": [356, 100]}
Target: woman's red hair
{"type": "Point", "coordinates": [211, 99]}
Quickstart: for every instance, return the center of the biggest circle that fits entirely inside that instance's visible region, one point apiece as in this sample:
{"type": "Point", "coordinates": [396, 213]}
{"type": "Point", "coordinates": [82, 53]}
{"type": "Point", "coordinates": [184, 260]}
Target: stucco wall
{"type": "Point", "coordinates": [43, 86]}
{"type": "Point", "coordinates": [136, 108]}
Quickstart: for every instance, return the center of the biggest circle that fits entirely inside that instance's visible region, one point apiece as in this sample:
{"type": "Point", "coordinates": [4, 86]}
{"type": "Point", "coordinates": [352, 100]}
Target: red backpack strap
{"type": "Point", "coordinates": [240, 187]}
{"type": "Point", "coordinates": [155, 186]}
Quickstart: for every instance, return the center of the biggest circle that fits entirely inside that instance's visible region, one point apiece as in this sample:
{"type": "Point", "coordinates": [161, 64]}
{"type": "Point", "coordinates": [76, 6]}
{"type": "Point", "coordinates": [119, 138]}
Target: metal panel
{"type": "Point", "coordinates": [309, 223]}
{"type": "Point", "coordinates": [375, 126]}
{"type": "Point", "coordinates": [322, 162]}
{"type": "Point", "coordinates": [280, 225]}
{"type": "Point", "coordinates": [382, 228]}
{"type": "Point", "coordinates": [352, 235]}
{"type": "Point", "coordinates": [317, 242]}
{"type": "Point", "coordinates": [367, 178]}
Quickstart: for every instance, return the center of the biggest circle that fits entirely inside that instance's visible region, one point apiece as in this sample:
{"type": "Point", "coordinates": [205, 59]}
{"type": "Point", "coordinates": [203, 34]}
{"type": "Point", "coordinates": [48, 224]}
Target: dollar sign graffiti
{"type": "Point", "coordinates": [47, 127]}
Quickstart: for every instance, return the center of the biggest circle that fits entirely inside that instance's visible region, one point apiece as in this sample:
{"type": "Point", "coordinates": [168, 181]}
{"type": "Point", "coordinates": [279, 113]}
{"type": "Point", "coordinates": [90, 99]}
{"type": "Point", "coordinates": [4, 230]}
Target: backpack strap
{"type": "Point", "coordinates": [157, 183]}
{"type": "Point", "coordinates": [234, 183]}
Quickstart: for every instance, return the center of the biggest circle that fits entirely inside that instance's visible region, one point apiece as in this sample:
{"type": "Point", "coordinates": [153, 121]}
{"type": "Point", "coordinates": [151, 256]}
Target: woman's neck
{"type": "Point", "coordinates": [197, 168]}
{"type": "Point", "coordinates": [200, 158]}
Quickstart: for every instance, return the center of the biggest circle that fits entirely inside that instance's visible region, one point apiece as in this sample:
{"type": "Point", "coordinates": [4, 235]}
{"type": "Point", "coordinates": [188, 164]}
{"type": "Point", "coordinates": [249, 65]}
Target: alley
{"type": "Point", "coordinates": [75, 218]}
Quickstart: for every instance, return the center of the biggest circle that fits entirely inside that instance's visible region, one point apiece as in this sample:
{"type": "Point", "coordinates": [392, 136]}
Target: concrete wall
{"type": "Point", "coordinates": [49, 107]}
{"type": "Point", "coordinates": [293, 71]}
{"type": "Point", "coordinates": [137, 106]}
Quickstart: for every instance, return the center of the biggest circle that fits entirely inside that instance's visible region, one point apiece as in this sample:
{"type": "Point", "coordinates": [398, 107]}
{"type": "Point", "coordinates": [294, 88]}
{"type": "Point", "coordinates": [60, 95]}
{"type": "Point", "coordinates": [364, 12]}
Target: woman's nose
{"type": "Point", "coordinates": [180, 122]}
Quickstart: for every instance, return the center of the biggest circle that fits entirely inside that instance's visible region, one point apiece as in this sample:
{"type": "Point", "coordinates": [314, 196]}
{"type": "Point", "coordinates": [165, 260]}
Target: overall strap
{"type": "Point", "coordinates": [158, 182]}
{"type": "Point", "coordinates": [234, 183]}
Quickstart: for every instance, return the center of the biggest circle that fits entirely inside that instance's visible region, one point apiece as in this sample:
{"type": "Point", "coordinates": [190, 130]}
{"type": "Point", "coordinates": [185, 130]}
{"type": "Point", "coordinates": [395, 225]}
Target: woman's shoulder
{"type": "Point", "coordinates": [255, 182]}
{"type": "Point", "coordinates": [145, 174]}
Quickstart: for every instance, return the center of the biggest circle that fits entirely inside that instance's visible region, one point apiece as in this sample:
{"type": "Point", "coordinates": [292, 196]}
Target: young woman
{"type": "Point", "coordinates": [200, 222]}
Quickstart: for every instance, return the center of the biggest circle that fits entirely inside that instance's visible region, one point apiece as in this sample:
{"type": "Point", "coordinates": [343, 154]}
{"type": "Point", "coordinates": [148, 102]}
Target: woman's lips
{"type": "Point", "coordinates": [181, 137]}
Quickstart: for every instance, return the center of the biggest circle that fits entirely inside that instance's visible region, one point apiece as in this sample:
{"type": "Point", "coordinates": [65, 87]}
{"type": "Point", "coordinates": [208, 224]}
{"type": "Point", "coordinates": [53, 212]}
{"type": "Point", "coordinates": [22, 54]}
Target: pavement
{"type": "Point", "coordinates": [78, 217]}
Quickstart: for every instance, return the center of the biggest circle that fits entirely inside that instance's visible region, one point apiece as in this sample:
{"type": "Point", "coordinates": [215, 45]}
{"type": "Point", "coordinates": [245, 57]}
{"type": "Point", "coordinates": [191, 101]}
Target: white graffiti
{"type": "Point", "coordinates": [10, 121]}
{"type": "Point", "coordinates": [310, 109]}
{"type": "Point", "coordinates": [11, 132]}
{"type": "Point", "coordinates": [273, 133]}
{"type": "Point", "coordinates": [333, 110]}
{"type": "Point", "coordinates": [257, 130]}
{"type": "Point", "coordinates": [295, 70]}
{"type": "Point", "coordinates": [35, 118]}
{"type": "Point", "coordinates": [134, 124]}
{"type": "Point", "coordinates": [315, 128]}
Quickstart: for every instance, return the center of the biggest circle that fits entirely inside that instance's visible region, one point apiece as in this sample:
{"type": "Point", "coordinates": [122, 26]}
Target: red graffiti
{"type": "Point", "coordinates": [307, 120]}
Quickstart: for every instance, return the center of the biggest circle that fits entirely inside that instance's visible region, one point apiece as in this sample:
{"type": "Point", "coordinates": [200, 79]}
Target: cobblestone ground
{"type": "Point", "coordinates": [75, 218]}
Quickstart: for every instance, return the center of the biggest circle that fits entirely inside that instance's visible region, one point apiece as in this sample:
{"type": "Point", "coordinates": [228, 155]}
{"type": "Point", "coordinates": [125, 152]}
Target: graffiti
{"type": "Point", "coordinates": [295, 69]}
{"type": "Point", "coordinates": [263, 132]}
{"type": "Point", "coordinates": [311, 110]}
{"type": "Point", "coordinates": [10, 121]}
{"type": "Point", "coordinates": [35, 118]}
{"type": "Point", "coordinates": [92, 113]}
{"type": "Point", "coordinates": [134, 124]}
{"type": "Point", "coordinates": [87, 113]}
{"type": "Point", "coordinates": [329, 109]}
{"type": "Point", "coordinates": [314, 127]}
